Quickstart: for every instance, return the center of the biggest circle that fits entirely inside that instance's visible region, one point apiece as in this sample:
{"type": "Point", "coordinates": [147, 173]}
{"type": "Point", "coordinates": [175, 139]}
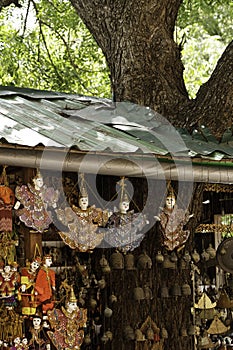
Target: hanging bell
{"type": "Point", "coordinates": [109, 335]}
{"type": "Point", "coordinates": [87, 339]}
{"type": "Point", "coordinates": [112, 298]}
{"type": "Point", "coordinates": [159, 257]}
{"type": "Point", "coordinates": [186, 289]}
{"type": "Point", "coordinates": [104, 338]}
{"type": "Point", "coordinates": [107, 312]}
{"type": "Point", "coordinates": [129, 262]}
{"type": "Point", "coordinates": [117, 261]}
{"type": "Point", "coordinates": [167, 263]}
{"type": "Point", "coordinates": [101, 283]}
{"type": "Point", "coordinates": [103, 261]}
{"type": "Point", "coordinates": [205, 256]}
{"type": "Point", "coordinates": [106, 269]}
{"type": "Point", "coordinates": [176, 290]}
{"type": "Point", "coordinates": [138, 294]}
{"type": "Point", "coordinates": [195, 256]}
{"type": "Point", "coordinates": [187, 257]}
{"type": "Point", "coordinates": [173, 257]}
{"type": "Point", "coordinates": [93, 303]}
{"type": "Point", "coordinates": [147, 293]}
{"type": "Point", "coordinates": [144, 262]}
{"type": "Point", "coordinates": [211, 251]}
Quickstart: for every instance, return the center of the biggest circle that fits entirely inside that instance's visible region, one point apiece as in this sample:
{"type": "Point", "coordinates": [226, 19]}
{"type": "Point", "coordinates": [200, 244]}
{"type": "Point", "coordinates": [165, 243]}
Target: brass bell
{"type": "Point", "coordinates": [93, 303]}
{"type": "Point", "coordinates": [87, 339]}
{"type": "Point", "coordinates": [107, 312]}
{"type": "Point", "coordinates": [195, 256]}
{"type": "Point", "coordinates": [167, 263]}
{"type": "Point", "coordinates": [159, 257]}
{"type": "Point", "coordinates": [109, 335]}
{"type": "Point", "coordinates": [205, 256]}
{"type": "Point", "coordinates": [129, 262]}
{"type": "Point", "coordinates": [211, 251]}
{"type": "Point", "coordinates": [112, 298]}
{"type": "Point", "coordinates": [103, 261]}
{"type": "Point", "coordinates": [117, 261]}
{"type": "Point", "coordinates": [144, 261]}
{"type": "Point", "coordinates": [138, 294]}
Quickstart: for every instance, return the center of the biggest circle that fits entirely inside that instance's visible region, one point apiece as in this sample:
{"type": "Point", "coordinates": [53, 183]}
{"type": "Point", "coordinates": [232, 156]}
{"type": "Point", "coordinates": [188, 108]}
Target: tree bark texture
{"type": "Point", "coordinates": [136, 37]}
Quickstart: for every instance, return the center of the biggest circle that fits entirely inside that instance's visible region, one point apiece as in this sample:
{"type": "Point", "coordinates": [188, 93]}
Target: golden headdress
{"type": "Point", "coordinates": [82, 187]}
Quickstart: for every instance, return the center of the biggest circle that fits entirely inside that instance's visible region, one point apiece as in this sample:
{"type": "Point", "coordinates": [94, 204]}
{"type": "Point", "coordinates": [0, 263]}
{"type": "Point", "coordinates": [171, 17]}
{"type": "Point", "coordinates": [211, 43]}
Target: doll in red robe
{"type": "Point", "coordinates": [45, 285]}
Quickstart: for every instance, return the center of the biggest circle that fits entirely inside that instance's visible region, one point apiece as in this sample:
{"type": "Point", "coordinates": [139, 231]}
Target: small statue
{"type": "Point", "coordinates": [82, 223]}
{"type": "Point", "coordinates": [67, 324]}
{"type": "Point", "coordinates": [124, 227]}
{"type": "Point", "coordinates": [45, 285]}
{"type": "Point", "coordinates": [27, 290]}
{"type": "Point", "coordinates": [7, 200]}
{"type": "Point", "coordinates": [36, 200]}
{"type": "Point", "coordinates": [38, 339]}
{"type": "Point", "coordinates": [9, 279]}
{"type": "Point", "coordinates": [172, 220]}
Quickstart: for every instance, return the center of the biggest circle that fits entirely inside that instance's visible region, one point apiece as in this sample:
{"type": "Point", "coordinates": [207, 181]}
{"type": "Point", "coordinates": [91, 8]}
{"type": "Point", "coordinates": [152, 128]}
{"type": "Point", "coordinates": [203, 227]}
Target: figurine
{"type": "Point", "coordinates": [124, 227]}
{"type": "Point", "coordinates": [172, 220]}
{"type": "Point", "coordinates": [17, 344]}
{"type": "Point", "coordinates": [7, 200]}
{"type": "Point", "coordinates": [38, 339]}
{"type": "Point", "coordinates": [36, 200]}
{"type": "Point", "coordinates": [27, 290]}
{"type": "Point", "coordinates": [82, 223]}
{"type": "Point", "coordinates": [9, 278]}
{"type": "Point", "coordinates": [67, 324]}
{"type": "Point", "coordinates": [45, 285]}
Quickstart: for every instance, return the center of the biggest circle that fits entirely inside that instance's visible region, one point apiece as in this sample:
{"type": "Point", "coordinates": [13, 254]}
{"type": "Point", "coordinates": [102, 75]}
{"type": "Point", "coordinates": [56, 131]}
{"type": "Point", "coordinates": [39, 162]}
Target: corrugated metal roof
{"type": "Point", "coordinates": [31, 117]}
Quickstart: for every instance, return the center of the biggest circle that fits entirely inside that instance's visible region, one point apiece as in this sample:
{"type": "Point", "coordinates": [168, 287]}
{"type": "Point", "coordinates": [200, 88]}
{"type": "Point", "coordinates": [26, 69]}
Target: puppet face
{"type": "Point", "coordinates": [124, 207]}
{"type": "Point", "coordinates": [36, 322]}
{"type": "Point", "coordinates": [17, 340]}
{"type": "Point", "coordinates": [83, 203]}
{"type": "Point", "coordinates": [38, 181]}
{"type": "Point", "coordinates": [170, 202]}
{"type": "Point", "coordinates": [35, 265]}
{"type": "Point", "coordinates": [72, 306]}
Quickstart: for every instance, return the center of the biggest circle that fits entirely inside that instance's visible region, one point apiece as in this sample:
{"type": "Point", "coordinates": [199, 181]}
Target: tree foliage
{"type": "Point", "coordinates": [46, 45]}
{"type": "Point", "coordinates": [51, 49]}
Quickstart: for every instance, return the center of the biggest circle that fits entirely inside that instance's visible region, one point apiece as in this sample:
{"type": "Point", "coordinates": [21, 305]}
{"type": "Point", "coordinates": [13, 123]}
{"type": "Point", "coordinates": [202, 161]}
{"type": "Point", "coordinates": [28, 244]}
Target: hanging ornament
{"type": "Point", "coordinates": [35, 201]}
{"type": "Point", "coordinates": [7, 200]}
{"type": "Point", "coordinates": [124, 227]}
{"type": "Point", "coordinates": [172, 220]}
{"type": "Point", "coordinates": [82, 223]}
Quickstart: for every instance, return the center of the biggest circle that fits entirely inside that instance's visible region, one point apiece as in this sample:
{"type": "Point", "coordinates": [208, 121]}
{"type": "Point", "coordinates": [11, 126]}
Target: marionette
{"type": "Point", "coordinates": [7, 200]}
{"type": "Point", "coordinates": [67, 324]}
{"type": "Point", "coordinates": [17, 344]}
{"type": "Point", "coordinates": [36, 200]}
{"type": "Point", "coordinates": [82, 222]}
{"type": "Point", "coordinates": [38, 339]}
{"type": "Point", "coordinates": [45, 285]}
{"type": "Point", "coordinates": [27, 289]}
{"type": "Point", "coordinates": [9, 279]}
{"type": "Point", "coordinates": [124, 227]}
{"type": "Point", "coordinates": [172, 220]}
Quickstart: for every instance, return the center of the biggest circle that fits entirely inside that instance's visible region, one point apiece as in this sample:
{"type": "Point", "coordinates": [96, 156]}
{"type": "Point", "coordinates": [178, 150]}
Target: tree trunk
{"type": "Point", "coordinates": [137, 40]}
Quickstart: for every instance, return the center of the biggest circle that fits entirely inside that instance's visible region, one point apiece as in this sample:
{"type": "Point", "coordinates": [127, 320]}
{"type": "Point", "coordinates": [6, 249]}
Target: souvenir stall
{"type": "Point", "coordinates": [56, 294]}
